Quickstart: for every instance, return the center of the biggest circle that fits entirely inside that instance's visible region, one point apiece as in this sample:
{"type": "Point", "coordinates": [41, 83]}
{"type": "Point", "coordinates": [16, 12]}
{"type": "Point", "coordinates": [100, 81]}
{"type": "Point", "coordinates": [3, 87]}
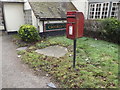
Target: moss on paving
{"type": "Point", "coordinates": [96, 63]}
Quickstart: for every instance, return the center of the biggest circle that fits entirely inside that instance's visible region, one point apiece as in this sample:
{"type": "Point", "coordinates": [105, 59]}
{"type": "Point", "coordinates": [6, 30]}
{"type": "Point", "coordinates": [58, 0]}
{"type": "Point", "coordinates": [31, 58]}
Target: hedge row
{"type": "Point", "coordinates": [107, 29]}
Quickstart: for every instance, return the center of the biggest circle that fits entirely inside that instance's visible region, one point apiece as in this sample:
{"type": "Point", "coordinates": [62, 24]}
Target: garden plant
{"type": "Point", "coordinates": [28, 33]}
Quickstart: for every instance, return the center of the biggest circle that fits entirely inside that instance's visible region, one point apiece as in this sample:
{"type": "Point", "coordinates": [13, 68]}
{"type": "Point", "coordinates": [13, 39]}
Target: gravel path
{"type": "Point", "coordinates": [14, 73]}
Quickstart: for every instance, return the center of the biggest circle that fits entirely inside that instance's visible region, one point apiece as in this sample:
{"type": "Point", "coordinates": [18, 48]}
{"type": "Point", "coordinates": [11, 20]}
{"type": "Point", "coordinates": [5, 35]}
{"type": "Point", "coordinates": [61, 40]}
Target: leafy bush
{"type": "Point", "coordinates": [28, 33]}
{"type": "Point", "coordinates": [111, 29]}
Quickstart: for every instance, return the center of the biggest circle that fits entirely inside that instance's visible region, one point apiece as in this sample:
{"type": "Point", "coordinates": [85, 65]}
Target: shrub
{"type": "Point", "coordinates": [28, 33]}
{"type": "Point", "coordinates": [111, 29]}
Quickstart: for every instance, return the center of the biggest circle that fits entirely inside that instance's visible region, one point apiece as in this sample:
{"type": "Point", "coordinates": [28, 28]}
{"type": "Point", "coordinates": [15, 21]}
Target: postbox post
{"type": "Point", "coordinates": [74, 52]}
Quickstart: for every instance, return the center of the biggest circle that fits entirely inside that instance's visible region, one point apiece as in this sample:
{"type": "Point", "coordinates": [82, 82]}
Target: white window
{"type": "Point", "coordinates": [99, 10]}
{"type": "Point", "coordinates": [92, 11]}
{"type": "Point", "coordinates": [114, 10]}
{"type": "Point", "coordinates": [105, 10]}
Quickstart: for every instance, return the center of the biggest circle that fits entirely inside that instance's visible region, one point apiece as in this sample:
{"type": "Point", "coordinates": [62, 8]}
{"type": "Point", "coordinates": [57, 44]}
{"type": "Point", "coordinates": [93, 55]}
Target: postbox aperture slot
{"type": "Point", "coordinates": [70, 16]}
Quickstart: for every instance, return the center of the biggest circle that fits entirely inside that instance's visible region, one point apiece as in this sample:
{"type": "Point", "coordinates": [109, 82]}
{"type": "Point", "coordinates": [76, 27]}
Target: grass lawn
{"type": "Point", "coordinates": [96, 62]}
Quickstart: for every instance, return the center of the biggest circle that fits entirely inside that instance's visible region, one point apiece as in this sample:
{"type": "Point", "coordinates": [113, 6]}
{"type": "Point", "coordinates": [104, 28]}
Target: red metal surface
{"type": "Point", "coordinates": [75, 25]}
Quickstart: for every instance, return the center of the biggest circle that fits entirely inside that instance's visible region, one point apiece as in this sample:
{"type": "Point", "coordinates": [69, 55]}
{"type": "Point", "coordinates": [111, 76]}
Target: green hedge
{"type": "Point", "coordinates": [28, 33]}
{"type": "Point", "coordinates": [111, 29]}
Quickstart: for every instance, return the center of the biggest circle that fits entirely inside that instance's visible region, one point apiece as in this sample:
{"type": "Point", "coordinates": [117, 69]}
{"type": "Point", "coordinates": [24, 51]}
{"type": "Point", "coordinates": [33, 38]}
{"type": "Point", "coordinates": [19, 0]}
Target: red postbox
{"type": "Point", "coordinates": [75, 24]}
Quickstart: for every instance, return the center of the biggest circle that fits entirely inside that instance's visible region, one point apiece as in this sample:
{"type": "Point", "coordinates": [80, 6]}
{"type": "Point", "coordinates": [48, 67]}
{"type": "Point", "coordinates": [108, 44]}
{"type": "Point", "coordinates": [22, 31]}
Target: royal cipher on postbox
{"type": "Point", "coordinates": [75, 24]}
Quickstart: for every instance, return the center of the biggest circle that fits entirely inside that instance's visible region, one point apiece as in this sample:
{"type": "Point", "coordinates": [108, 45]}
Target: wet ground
{"type": "Point", "coordinates": [15, 74]}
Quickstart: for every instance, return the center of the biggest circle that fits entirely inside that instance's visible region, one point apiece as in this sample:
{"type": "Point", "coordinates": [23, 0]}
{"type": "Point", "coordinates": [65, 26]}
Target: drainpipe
{"type": "Point", "coordinates": [119, 10]}
{"type": "Point", "coordinates": [88, 16]}
{"type": "Point", "coordinates": [86, 8]}
{"type": "Point", "coordinates": [110, 8]}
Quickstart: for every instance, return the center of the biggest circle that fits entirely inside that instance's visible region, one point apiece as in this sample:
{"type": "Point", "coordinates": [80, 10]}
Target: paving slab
{"type": "Point", "coordinates": [54, 51]}
{"type": "Point", "coordinates": [21, 48]}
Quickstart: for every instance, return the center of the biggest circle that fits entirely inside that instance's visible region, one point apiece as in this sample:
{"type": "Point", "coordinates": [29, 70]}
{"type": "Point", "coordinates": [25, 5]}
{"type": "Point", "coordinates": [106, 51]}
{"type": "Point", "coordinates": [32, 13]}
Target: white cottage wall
{"type": "Point", "coordinates": [34, 20]}
{"type": "Point", "coordinates": [82, 6]}
{"type": "Point", "coordinates": [40, 26]}
{"type": "Point", "coordinates": [26, 5]}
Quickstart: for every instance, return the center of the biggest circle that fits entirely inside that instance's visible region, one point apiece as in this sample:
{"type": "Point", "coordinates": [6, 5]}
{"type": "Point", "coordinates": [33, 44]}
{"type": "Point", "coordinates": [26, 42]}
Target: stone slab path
{"type": "Point", "coordinates": [14, 73]}
{"type": "Point", "coordinates": [55, 51]}
{"type": "Point", "coordinates": [21, 48]}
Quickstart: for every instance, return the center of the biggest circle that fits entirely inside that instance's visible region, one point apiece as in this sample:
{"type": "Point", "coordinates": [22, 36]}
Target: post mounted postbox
{"type": "Point", "coordinates": [75, 24]}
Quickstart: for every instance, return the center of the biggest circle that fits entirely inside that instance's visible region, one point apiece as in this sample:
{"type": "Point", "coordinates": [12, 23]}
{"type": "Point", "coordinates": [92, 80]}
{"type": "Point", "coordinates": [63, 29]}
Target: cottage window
{"type": "Point", "coordinates": [105, 10]}
{"type": "Point", "coordinates": [114, 10]}
{"type": "Point", "coordinates": [92, 10]}
{"type": "Point", "coordinates": [99, 10]}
